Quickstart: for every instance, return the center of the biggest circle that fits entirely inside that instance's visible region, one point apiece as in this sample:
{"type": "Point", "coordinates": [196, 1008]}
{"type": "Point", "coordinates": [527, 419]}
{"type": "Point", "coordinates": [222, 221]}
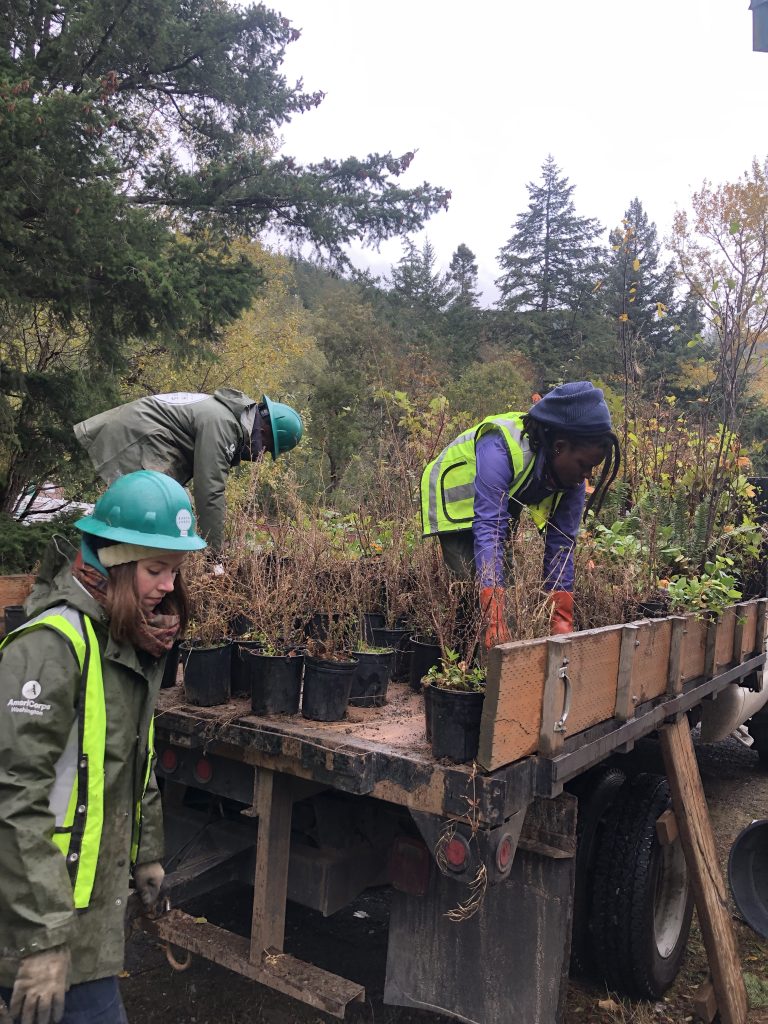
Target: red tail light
{"type": "Point", "coordinates": [169, 762]}
{"type": "Point", "coordinates": [203, 770]}
{"type": "Point", "coordinates": [457, 853]}
{"type": "Point", "coordinates": [505, 852]}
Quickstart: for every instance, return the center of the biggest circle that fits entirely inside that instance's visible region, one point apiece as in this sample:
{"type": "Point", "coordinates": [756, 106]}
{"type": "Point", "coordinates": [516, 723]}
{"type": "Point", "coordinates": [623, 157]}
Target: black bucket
{"type": "Point", "coordinates": [455, 717]}
{"type": "Point", "coordinates": [171, 670]}
{"type": "Point", "coordinates": [327, 685]}
{"type": "Point", "coordinates": [371, 678]}
{"type": "Point", "coordinates": [371, 621]}
{"type": "Point", "coordinates": [207, 672]}
{"type": "Point", "coordinates": [425, 652]}
{"type": "Point", "coordinates": [275, 683]}
{"type": "Point", "coordinates": [14, 616]}
{"type": "Point", "coordinates": [242, 667]}
{"type": "Point", "coordinates": [400, 640]}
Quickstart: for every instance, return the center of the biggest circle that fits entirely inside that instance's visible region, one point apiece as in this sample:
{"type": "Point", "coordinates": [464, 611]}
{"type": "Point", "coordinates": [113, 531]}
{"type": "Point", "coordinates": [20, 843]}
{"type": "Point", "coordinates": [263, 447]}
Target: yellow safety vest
{"type": "Point", "coordinates": [448, 481]}
{"type": "Point", "coordinates": [77, 798]}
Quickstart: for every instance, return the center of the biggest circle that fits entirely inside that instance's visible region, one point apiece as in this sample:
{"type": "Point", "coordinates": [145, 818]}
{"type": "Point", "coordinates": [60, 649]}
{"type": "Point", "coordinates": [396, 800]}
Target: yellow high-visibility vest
{"type": "Point", "coordinates": [77, 796]}
{"type": "Point", "coordinates": [448, 481]}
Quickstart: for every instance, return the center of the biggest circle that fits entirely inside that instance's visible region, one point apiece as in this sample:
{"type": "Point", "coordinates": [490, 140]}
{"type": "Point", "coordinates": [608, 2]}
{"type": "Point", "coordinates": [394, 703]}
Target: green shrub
{"type": "Point", "coordinates": [22, 545]}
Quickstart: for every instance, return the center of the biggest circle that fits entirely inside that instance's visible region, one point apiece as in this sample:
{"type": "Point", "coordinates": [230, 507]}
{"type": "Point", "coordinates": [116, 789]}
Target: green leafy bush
{"type": "Point", "coordinates": [22, 545]}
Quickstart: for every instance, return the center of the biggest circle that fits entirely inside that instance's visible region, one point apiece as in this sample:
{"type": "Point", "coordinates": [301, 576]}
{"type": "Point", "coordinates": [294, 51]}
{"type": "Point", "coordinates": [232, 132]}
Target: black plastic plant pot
{"type": "Point", "coordinates": [171, 670]}
{"type": "Point", "coordinates": [14, 616]}
{"type": "Point", "coordinates": [242, 666]}
{"type": "Point", "coordinates": [371, 678]}
{"type": "Point", "coordinates": [400, 640]}
{"type": "Point", "coordinates": [327, 685]}
{"type": "Point", "coordinates": [207, 672]}
{"type": "Point", "coordinates": [427, 688]}
{"type": "Point", "coordinates": [455, 717]}
{"type": "Point", "coordinates": [371, 621]}
{"type": "Point", "coordinates": [425, 652]}
{"type": "Point", "coordinates": [275, 683]}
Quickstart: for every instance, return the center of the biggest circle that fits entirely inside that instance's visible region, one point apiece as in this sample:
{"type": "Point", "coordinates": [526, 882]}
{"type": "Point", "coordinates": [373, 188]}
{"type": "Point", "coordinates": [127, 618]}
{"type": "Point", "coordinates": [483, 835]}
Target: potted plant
{"type": "Point", "coordinates": [206, 654]}
{"type": "Point", "coordinates": [268, 659]}
{"type": "Point", "coordinates": [329, 664]}
{"type": "Point", "coordinates": [455, 706]}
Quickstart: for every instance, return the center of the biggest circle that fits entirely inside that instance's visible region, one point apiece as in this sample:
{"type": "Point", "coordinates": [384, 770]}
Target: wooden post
{"type": "Point", "coordinates": [675, 676]}
{"type": "Point", "coordinates": [692, 816]}
{"type": "Point", "coordinates": [273, 804]}
{"type": "Point", "coordinates": [556, 700]}
{"type": "Point", "coordinates": [625, 705]}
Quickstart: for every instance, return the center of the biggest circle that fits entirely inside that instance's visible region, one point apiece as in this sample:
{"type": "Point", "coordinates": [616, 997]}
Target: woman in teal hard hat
{"type": "Point", "coordinates": [79, 807]}
{"type": "Point", "coordinates": [190, 436]}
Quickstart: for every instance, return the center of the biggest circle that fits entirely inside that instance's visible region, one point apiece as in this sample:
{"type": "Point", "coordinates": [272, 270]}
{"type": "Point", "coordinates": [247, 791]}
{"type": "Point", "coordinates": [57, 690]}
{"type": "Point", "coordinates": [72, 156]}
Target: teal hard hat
{"type": "Point", "coordinates": [287, 428]}
{"type": "Point", "coordinates": [146, 508]}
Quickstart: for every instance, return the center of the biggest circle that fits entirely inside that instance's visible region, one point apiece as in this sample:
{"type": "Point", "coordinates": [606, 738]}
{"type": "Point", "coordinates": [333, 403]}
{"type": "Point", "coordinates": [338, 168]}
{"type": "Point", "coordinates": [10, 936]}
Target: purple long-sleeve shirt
{"type": "Point", "coordinates": [491, 524]}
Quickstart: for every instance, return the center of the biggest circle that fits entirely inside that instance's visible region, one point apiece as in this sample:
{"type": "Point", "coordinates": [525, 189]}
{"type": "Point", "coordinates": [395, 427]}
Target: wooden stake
{"type": "Point", "coordinates": [693, 821]}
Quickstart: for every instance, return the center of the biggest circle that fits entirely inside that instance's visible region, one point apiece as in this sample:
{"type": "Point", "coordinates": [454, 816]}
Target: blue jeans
{"type": "Point", "coordinates": [91, 1002]}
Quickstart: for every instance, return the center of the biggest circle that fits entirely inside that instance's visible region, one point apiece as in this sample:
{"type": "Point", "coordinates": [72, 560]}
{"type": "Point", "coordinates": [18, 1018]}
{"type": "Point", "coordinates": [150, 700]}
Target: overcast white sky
{"type": "Point", "coordinates": [642, 99]}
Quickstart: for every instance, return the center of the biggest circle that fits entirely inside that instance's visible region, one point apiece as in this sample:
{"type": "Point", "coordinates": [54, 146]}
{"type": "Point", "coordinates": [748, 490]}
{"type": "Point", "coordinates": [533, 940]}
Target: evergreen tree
{"type": "Point", "coordinates": [639, 298]}
{"type": "Point", "coordinates": [138, 141]}
{"type": "Point", "coordinates": [464, 318]}
{"type": "Point", "coordinates": [550, 261]}
{"type": "Point", "coordinates": [462, 279]}
{"type": "Point", "coordinates": [416, 283]}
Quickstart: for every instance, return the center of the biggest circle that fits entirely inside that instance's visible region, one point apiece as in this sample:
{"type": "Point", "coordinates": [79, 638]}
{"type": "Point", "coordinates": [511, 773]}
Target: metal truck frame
{"type": "Point", "coordinates": [483, 859]}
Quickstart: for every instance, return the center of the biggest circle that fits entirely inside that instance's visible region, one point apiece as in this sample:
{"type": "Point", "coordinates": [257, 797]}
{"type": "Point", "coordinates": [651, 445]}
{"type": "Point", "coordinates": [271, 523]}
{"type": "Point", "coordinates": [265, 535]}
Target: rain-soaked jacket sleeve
{"type": "Point", "coordinates": [216, 442]}
{"type": "Point", "coordinates": [39, 684]}
{"type": "Point", "coordinates": [151, 839]}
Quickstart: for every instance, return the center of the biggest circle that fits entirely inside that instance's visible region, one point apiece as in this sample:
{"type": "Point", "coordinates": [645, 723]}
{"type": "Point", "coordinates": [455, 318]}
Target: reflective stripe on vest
{"type": "Point", "coordinates": [448, 482]}
{"type": "Point", "coordinates": [77, 796]}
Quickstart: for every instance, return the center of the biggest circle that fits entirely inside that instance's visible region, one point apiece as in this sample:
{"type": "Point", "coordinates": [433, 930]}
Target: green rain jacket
{"type": "Point", "coordinates": [186, 435]}
{"type": "Point", "coordinates": [36, 905]}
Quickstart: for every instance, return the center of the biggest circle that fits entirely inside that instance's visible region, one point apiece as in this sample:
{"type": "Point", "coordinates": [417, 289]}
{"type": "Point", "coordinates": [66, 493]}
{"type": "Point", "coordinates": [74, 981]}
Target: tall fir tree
{"type": "Point", "coordinates": [551, 259]}
{"type": "Point", "coordinates": [464, 318]}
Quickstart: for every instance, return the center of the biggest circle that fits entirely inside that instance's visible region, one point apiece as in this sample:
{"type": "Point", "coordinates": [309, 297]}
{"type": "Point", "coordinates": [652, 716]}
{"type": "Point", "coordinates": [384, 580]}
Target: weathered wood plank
{"type": "Point", "coordinates": [626, 698]}
{"type": "Point", "coordinates": [512, 708]}
{"type": "Point", "coordinates": [272, 804]}
{"type": "Point", "coordinates": [698, 841]}
{"type": "Point", "coordinates": [694, 648]}
{"type": "Point", "coordinates": [678, 625]}
{"type": "Point", "coordinates": [649, 678]}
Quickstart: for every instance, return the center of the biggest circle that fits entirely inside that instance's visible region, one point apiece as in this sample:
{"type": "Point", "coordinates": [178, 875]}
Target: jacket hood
{"type": "Point", "coordinates": [241, 406]}
{"type": "Point", "coordinates": [55, 583]}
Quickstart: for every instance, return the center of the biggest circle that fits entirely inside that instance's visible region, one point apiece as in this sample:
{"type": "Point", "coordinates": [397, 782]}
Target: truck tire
{"type": "Point", "coordinates": [642, 902]}
{"type": "Point", "coordinates": [596, 790]}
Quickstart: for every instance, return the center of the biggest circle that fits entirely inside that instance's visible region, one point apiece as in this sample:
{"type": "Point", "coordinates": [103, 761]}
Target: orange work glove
{"type": "Point", "coordinates": [494, 620]}
{"type": "Point", "coordinates": [561, 613]}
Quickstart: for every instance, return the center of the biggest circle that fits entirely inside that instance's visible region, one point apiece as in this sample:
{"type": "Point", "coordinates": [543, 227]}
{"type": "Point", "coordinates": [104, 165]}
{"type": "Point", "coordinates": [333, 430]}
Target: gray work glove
{"type": "Point", "coordinates": [149, 880]}
{"type": "Point", "coordinates": [41, 984]}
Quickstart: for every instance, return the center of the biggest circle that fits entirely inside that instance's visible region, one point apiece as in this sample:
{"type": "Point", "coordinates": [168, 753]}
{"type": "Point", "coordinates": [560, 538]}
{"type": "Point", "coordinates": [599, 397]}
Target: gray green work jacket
{"type": "Point", "coordinates": [36, 907]}
{"type": "Point", "coordinates": [187, 435]}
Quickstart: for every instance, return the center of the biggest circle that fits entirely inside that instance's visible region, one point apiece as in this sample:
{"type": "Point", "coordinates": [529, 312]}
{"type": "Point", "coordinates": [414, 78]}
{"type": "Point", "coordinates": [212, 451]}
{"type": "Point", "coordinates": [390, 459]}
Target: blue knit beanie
{"type": "Point", "coordinates": [575, 408]}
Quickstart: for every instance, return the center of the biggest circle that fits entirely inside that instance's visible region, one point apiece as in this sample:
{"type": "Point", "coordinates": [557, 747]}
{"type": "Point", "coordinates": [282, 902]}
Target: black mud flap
{"type": "Point", "coordinates": [507, 964]}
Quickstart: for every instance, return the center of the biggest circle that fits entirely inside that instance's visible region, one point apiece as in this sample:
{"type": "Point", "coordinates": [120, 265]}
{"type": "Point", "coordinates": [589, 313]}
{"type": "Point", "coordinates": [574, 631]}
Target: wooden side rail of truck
{"type": "Point", "coordinates": [317, 812]}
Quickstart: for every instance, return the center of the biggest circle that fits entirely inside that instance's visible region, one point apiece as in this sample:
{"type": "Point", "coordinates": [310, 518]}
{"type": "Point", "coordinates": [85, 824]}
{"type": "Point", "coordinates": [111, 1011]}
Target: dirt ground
{"type": "Point", "coordinates": [353, 943]}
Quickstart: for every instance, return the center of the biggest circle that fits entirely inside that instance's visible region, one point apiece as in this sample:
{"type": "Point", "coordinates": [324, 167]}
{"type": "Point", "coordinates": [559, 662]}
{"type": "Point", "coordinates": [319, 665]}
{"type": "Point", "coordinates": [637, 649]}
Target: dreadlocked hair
{"type": "Point", "coordinates": [542, 438]}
